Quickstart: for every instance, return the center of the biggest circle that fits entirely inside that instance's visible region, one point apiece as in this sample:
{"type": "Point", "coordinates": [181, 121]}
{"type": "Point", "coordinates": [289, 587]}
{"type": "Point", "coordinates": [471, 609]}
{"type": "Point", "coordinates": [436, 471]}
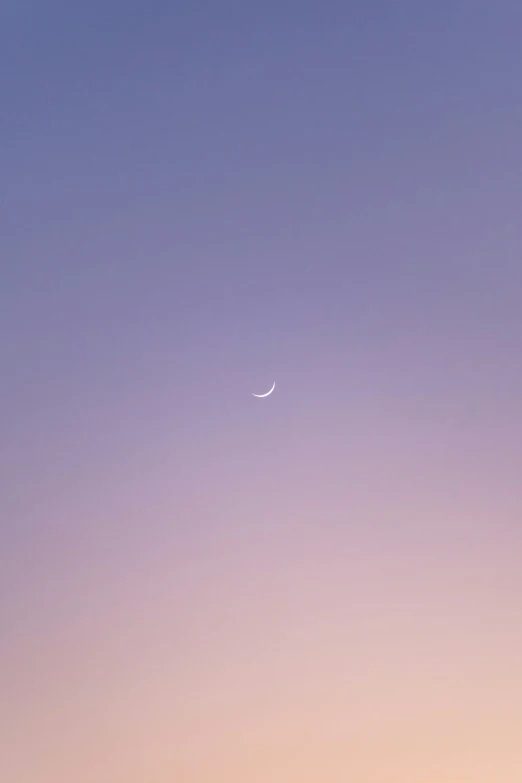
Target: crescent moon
{"type": "Point", "coordinates": [265, 395]}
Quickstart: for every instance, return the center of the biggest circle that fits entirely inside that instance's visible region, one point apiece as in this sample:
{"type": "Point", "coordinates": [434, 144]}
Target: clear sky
{"type": "Point", "coordinates": [197, 200]}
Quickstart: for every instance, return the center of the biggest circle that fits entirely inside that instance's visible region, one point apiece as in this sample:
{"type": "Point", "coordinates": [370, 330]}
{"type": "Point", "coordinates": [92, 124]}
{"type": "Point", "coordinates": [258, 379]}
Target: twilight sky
{"type": "Point", "coordinates": [197, 199]}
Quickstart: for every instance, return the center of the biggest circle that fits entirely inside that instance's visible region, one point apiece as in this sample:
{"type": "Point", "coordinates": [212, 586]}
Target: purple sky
{"type": "Point", "coordinates": [197, 200]}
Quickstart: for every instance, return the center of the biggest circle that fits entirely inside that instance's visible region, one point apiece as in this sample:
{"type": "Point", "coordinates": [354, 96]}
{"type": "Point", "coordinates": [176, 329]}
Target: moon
{"type": "Point", "coordinates": [265, 395]}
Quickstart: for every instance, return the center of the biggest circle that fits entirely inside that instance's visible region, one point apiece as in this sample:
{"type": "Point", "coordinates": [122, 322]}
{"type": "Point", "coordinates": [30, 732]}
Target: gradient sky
{"type": "Point", "coordinates": [197, 199]}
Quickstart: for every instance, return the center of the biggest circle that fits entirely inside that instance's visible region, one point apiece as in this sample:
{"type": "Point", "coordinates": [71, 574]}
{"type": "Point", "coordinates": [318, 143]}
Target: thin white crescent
{"type": "Point", "coordinates": [265, 395]}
